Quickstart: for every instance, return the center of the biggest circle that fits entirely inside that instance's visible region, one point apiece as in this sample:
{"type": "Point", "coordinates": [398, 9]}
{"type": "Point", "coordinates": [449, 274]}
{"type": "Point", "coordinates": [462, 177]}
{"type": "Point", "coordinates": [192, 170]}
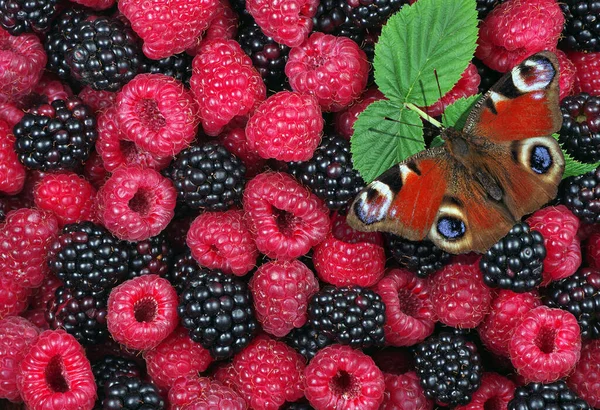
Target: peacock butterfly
{"type": "Point", "coordinates": [468, 193]}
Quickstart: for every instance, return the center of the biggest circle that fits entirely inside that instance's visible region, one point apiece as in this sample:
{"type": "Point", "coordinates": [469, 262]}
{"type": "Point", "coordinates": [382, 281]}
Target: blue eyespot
{"type": "Point", "coordinates": [451, 228]}
{"type": "Point", "coordinates": [540, 160]}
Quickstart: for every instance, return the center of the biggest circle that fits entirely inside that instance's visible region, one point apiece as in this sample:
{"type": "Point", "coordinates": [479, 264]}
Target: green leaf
{"type": "Point", "coordinates": [427, 37]}
{"type": "Point", "coordinates": [573, 167]}
{"type": "Point", "coordinates": [455, 115]}
{"type": "Point", "coordinates": [383, 136]}
{"type": "Point", "coordinates": [437, 142]}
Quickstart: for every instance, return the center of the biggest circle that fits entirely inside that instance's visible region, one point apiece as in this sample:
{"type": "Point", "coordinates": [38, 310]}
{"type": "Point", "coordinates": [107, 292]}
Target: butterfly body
{"type": "Point", "coordinates": [468, 193]}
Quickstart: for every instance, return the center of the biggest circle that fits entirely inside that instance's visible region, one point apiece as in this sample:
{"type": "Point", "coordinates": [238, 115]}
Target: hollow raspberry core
{"type": "Point", "coordinates": [145, 310]}
{"type": "Point", "coordinates": [150, 115]}
{"type": "Point", "coordinates": [54, 375]}
{"type": "Point", "coordinates": [344, 384]}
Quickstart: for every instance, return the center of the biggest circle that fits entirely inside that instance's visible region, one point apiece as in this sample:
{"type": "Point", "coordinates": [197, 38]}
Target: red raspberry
{"type": "Point", "coordinates": [333, 69]}
{"type": "Point", "coordinates": [202, 393]}
{"type": "Point", "coordinates": [460, 297]}
{"type": "Point", "coordinates": [286, 217]}
{"type": "Point", "coordinates": [517, 29]}
{"type": "Point", "coordinates": [94, 170]}
{"type": "Point", "coordinates": [494, 393]}
{"type": "Point", "coordinates": [287, 21]}
{"type": "Point", "coordinates": [221, 240]}
{"type": "Point", "coordinates": [157, 113]}
{"type": "Point", "coordinates": [345, 119]}
{"type": "Point", "coordinates": [281, 291]}
{"type": "Point", "coordinates": [349, 257]}
{"type": "Point", "coordinates": [97, 100]}
{"type": "Point", "coordinates": [546, 345]}
{"type": "Point", "coordinates": [12, 172]}
{"type": "Point", "coordinates": [70, 197]}
{"type": "Point", "coordinates": [409, 313]}
{"type": "Point", "coordinates": [339, 377]}
{"type": "Point", "coordinates": [467, 85]}
{"type": "Point", "coordinates": [45, 292]}
{"type": "Point", "coordinates": [168, 27]}
{"type": "Point", "coordinates": [96, 4]}
{"type": "Point", "coordinates": [24, 241]}
{"type": "Point", "coordinates": [593, 251]}
{"type": "Point", "coordinates": [13, 297]}
{"type": "Point", "coordinates": [287, 126]}
{"type": "Point", "coordinates": [175, 357]}
{"type": "Point", "coordinates": [587, 72]}
{"type": "Point", "coordinates": [559, 227]}
{"type": "Point", "coordinates": [235, 141]}
{"type": "Point", "coordinates": [225, 84]}
{"type": "Point", "coordinates": [585, 379]}
{"type": "Point", "coordinates": [568, 73]}
{"type": "Point", "coordinates": [136, 204]}
{"type": "Point", "coordinates": [142, 312]}
{"type": "Point", "coordinates": [404, 392]}
{"type": "Point", "coordinates": [55, 374]}
{"type": "Point", "coordinates": [224, 23]}
{"type": "Point", "coordinates": [47, 90]}
{"type": "Point", "coordinates": [22, 59]}
{"type": "Point", "coordinates": [16, 336]}
{"type": "Point", "coordinates": [10, 113]}
{"type": "Point", "coordinates": [507, 311]}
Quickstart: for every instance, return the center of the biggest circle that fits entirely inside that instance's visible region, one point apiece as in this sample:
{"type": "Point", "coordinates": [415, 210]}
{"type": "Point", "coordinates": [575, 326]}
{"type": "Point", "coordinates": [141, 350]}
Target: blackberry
{"type": "Point", "coordinates": [580, 295]}
{"type": "Point", "coordinates": [88, 258]}
{"type": "Point", "coordinates": [485, 6]}
{"type": "Point", "coordinates": [582, 24]}
{"type": "Point", "coordinates": [516, 261]}
{"type": "Point", "coordinates": [423, 257]}
{"type": "Point", "coordinates": [208, 177]}
{"type": "Point", "coordinates": [131, 393]}
{"type": "Point", "coordinates": [581, 194]}
{"type": "Point", "coordinates": [239, 6]}
{"type": "Point", "coordinates": [153, 256]}
{"type": "Point", "coordinates": [307, 341]}
{"type": "Point", "coordinates": [104, 54]}
{"type": "Point", "coordinates": [370, 14]}
{"type": "Point", "coordinates": [109, 367]}
{"type": "Point", "coordinates": [56, 136]}
{"type": "Point", "coordinates": [184, 268]}
{"type": "Point", "coordinates": [329, 173]}
{"type": "Point", "coordinates": [268, 56]}
{"type": "Point", "coordinates": [580, 132]}
{"type": "Point", "coordinates": [21, 16]}
{"type": "Point", "coordinates": [555, 396]}
{"type": "Point", "coordinates": [488, 76]}
{"type": "Point", "coordinates": [217, 309]}
{"type": "Point", "coordinates": [449, 368]}
{"type": "Point", "coordinates": [178, 66]}
{"type": "Point", "coordinates": [331, 17]}
{"type": "Point", "coordinates": [350, 315]}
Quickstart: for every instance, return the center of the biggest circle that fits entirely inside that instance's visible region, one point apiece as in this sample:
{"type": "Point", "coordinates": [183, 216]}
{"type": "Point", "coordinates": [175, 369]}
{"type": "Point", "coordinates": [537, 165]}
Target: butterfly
{"type": "Point", "coordinates": [468, 193]}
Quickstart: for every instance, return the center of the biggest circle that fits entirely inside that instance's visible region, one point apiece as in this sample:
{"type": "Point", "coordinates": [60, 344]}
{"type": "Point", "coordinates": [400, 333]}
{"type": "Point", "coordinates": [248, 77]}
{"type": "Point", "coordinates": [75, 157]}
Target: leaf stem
{"type": "Point", "coordinates": [424, 115]}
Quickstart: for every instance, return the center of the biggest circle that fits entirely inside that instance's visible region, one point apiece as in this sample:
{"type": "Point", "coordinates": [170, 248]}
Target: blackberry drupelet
{"type": "Point", "coordinates": [218, 311]}
{"type": "Point", "coordinates": [60, 135]}
{"type": "Point", "coordinates": [178, 66]}
{"type": "Point", "coordinates": [131, 393]}
{"type": "Point", "coordinates": [516, 261]}
{"type": "Point", "coordinates": [371, 14]}
{"type": "Point", "coordinates": [488, 76]}
{"type": "Point", "coordinates": [329, 173]}
{"type": "Point", "coordinates": [307, 341]}
{"type": "Point", "coordinates": [580, 295]}
{"type": "Point", "coordinates": [330, 17]}
{"type": "Point", "coordinates": [580, 132]}
{"type": "Point", "coordinates": [449, 368]}
{"type": "Point", "coordinates": [88, 258]}
{"type": "Point", "coordinates": [555, 396]}
{"type": "Point", "coordinates": [185, 267]}
{"type": "Point", "coordinates": [208, 177]}
{"type": "Point", "coordinates": [21, 16]}
{"type": "Point", "coordinates": [581, 194]}
{"type": "Point", "coordinates": [105, 53]}
{"type": "Point", "coordinates": [154, 256]}
{"type": "Point", "coordinates": [422, 257]}
{"type": "Point", "coordinates": [350, 315]}
{"type": "Point", "coordinates": [582, 24]}
{"type": "Point", "coordinates": [485, 6]}
{"type": "Point", "coordinates": [109, 367]}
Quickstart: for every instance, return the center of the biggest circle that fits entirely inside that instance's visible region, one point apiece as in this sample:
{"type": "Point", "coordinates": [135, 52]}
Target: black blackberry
{"type": "Point", "coordinates": [350, 315]}
{"type": "Point", "coordinates": [185, 267]}
{"type": "Point", "coordinates": [239, 6]}
{"type": "Point", "coordinates": [422, 258]}
{"type": "Point", "coordinates": [21, 16]}
{"type": "Point", "coordinates": [580, 295]}
{"type": "Point", "coordinates": [307, 341]}
{"type": "Point", "coordinates": [488, 76]}
{"type": "Point", "coordinates": [485, 6]}
{"type": "Point", "coordinates": [154, 256]}
{"type": "Point", "coordinates": [208, 177]}
{"type": "Point", "coordinates": [582, 24]}
{"type": "Point", "coordinates": [268, 56]}
{"type": "Point", "coordinates": [217, 309]}
{"type": "Point", "coordinates": [329, 173]}
{"type": "Point", "coordinates": [449, 368]}
{"type": "Point", "coordinates": [554, 396]}
{"type": "Point", "coordinates": [56, 136]}
{"type": "Point", "coordinates": [109, 366]}
{"type": "Point", "coordinates": [299, 405]}
{"type": "Point", "coordinates": [580, 132]}
{"type": "Point", "coordinates": [131, 393]}
{"type": "Point", "coordinates": [178, 66]}
{"type": "Point", "coordinates": [88, 258]}
{"type": "Point", "coordinates": [371, 14]}
{"type": "Point", "coordinates": [331, 17]}
{"type": "Point", "coordinates": [516, 261]}
{"type": "Point", "coordinates": [581, 194]}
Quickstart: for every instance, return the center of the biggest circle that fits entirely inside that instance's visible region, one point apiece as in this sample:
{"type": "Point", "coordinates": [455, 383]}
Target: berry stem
{"type": "Point", "coordinates": [424, 115]}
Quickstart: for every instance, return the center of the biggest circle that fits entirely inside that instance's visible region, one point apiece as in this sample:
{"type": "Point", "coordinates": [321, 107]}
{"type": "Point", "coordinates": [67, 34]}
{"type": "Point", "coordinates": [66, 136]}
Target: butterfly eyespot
{"type": "Point", "coordinates": [533, 74]}
{"type": "Point", "coordinates": [373, 203]}
{"type": "Point", "coordinates": [451, 228]}
{"type": "Point", "coordinates": [540, 159]}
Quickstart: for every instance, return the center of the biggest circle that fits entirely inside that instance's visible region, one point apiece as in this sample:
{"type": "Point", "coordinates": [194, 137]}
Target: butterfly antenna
{"type": "Point", "coordinates": [437, 81]}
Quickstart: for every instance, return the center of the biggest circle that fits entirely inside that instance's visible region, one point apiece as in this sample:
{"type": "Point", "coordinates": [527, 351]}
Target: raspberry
{"type": "Point", "coordinates": [157, 113]}
{"type": "Point", "coordinates": [99, 101]}
{"type": "Point", "coordinates": [55, 374]}
{"type": "Point", "coordinates": [467, 85]}
{"type": "Point", "coordinates": [22, 59]}
{"type": "Point", "coordinates": [42, 295]}
{"type": "Point", "coordinates": [585, 379]}
{"type": "Point", "coordinates": [404, 392]}
{"type": "Point", "coordinates": [345, 119]}
{"type": "Point", "coordinates": [96, 4]}
{"type": "Point", "coordinates": [287, 126]}
{"type": "Point", "coordinates": [559, 227]}
{"type": "Point", "coordinates": [461, 298]}
{"type": "Point", "coordinates": [546, 396]}
{"type": "Point", "coordinates": [192, 392]}
{"type": "Point", "coordinates": [176, 356]}
{"type": "Point", "coordinates": [16, 336]}
{"type": "Point", "coordinates": [494, 393]}
{"type": "Point", "coordinates": [12, 172]}
{"type": "Point", "coordinates": [168, 27]}
{"type": "Point", "coordinates": [14, 298]}
{"type": "Point", "coordinates": [281, 291]}
{"type": "Point", "coordinates": [349, 257]}
{"type": "Point", "coordinates": [235, 141]}
{"type": "Point", "coordinates": [580, 132]}
{"type": "Point", "coordinates": [567, 74]}
{"type": "Point", "coordinates": [506, 312]}
{"type": "Point", "coordinates": [48, 89]}
{"type": "Point", "coordinates": [289, 21]}
{"type": "Point", "coordinates": [410, 316]}
{"type": "Point", "coordinates": [225, 84]}
{"type": "Point", "coordinates": [286, 218]}
{"type": "Point", "coordinates": [94, 170]}
{"type": "Point", "coordinates": [142, 312]}
{"type": "Point", "coordinates": [545, 345]}
{"type": "Point", "coordinates": [343, 378]}
{"type": "Point", "coordinates": [593, 251]}
{"type": "Point", "coordinates": [587, 66]}
{"type": "Point", "coordinates": [223, 25]}
{"type": "Point", "coordinates": [136, 204]}
{"type": "Point", "coordinates": [340, 75]}
{"type": "Point", "coordinates": [10, 114]}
